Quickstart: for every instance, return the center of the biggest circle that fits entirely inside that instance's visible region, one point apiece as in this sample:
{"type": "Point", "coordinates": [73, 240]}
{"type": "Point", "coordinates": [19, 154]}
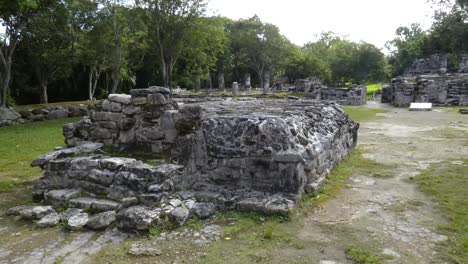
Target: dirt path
{"type": "Point", "coordinates": [389, 213]}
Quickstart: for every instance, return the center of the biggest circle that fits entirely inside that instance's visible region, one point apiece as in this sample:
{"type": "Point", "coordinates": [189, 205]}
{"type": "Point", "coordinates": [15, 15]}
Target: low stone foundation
{"type": "Point", "coordinates": [256, 155]}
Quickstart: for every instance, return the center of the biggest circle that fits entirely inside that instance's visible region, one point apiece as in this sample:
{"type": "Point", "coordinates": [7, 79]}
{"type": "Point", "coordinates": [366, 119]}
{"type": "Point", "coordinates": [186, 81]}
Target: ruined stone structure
{"type": "Point", "coordinates": [437, 63]}
{"type": "Point", "coordinates": [354, 95]}
{"type": "Point", "coordinates": [231, 155]}
{"type": "Point", "coordinates": [313, 88]}
{"type": "Point", "coordinates": [9, 116]}
{"type": "Point", "coordinates": [427, 82]}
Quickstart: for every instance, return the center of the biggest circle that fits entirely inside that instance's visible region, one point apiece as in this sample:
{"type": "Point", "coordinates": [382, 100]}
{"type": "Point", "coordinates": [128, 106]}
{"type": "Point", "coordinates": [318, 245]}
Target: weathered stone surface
{"type": "Point", "coordinates": [67, 214]}
{"type": "Point", "coordinates": [140, 249]}
{"type": "Point", "coordinates": [427, 82]}
{"type": "Point", "coordinates": [8, 116]}
{"type": "Point", "coordinates": [77, 221]}
{"type": "Point", "coordinates": [137, 218]}
{"type": "Point", "coordinates": [99, 205]}
{"type": "Point", "coordinates": [31, 211]}
{"type": "Point", "coordinates": [68, 152]}
{"type": "Point", "coordinates": [180, 215]}
{"type": "Point", "coordinates": [59, 198]}
{"type": "Point", "coordinates": [120, 98]}
{"type": "Point", "coordinates": [227, 155]}
{"type": "Point", "coordinates": [102, 220]}
{"type": "Point", "coordinates": [204, 210]}
{"type": "Point", "coordinates": [129, 201]}
{"type": "Point", "coordinates": [49, 220]}
{"type": "Point", "coordinates": [58, 114]}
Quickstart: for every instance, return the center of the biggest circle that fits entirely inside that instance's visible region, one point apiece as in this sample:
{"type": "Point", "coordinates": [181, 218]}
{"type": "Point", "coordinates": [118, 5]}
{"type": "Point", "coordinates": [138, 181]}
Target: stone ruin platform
{"type": "Point", "coordinates": [258, 155]}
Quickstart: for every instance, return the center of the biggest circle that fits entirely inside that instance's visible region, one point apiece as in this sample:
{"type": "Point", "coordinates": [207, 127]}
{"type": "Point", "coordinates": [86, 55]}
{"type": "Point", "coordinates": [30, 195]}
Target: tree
{"type": "Point", "coordinates": [410, 44]}
{"type": "Point", "coordinates": [49, 43]}
{"type": "Point", "coordinates": [172, 23]}
{"type": "Point", "coordinates": [259, 46]}
{"type": "Point", "coordinates": [13, 16]}
{"type": "Point", "coordinates": [208, 46]}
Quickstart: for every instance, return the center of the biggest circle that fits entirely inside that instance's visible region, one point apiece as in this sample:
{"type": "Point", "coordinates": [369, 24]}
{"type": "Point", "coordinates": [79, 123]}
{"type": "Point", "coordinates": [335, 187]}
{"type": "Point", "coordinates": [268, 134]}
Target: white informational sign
{"type": "Point", "coordinates": [420, 107]}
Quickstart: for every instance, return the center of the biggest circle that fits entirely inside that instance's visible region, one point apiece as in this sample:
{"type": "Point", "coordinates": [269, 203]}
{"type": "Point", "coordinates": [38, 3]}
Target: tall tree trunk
{"type": "Point", "coordinates": [118, 51]}
{"type": "Point", "coordinates": [266, 82]}
{"type": "Point", "coordinates": [90, 84]}
{"type": "Point", "coordinates": [209, 83]}
{"type": "Point", "coordinates": [165, 74]}
{"type": "Point", "coordinates": [44, 96]}
{"type": "Point", "coordinates": [197, 83]}
{"type": "Point", "coordinates": [221, 84]}
{"type": "Point", "coordinates": [5, 85]}
{"type": "Point", "coordinates": [6, 55]}
{"type": "Point", "coordinates": [97, 74]}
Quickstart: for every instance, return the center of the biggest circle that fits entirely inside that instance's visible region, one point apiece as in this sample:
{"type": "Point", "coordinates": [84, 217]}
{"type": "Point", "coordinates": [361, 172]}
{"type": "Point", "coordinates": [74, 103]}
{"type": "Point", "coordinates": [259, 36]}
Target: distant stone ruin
{"type": "Point", "coordinates": [427, 81]}
{"type": "Point", "coordinates": [9, 116]}
{"type": "Point", "coordinates": [258, 155]}
{"type": "Point", "coordinates": [313, 88]}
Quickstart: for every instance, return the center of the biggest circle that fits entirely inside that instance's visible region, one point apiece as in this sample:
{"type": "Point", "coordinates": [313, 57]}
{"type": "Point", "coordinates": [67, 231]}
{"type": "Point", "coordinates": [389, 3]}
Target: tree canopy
{"type": "Point", "coordinates": [76, 50]}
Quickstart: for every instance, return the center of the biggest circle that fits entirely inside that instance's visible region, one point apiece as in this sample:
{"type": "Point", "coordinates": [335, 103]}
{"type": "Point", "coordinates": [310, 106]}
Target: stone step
{"type": "Point", "coordinates": [97, 205]}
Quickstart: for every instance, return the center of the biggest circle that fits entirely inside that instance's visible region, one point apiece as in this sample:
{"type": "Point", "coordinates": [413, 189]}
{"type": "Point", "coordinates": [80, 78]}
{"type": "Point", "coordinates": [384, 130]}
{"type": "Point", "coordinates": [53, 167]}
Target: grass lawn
{"type": "Point", "coordinates": [21, 144]}
{"type": "Point", "coordinates": [373, 88]}
{"type": "Point", "coordinates": [362, 114]}
{"type": "Point", "coordinates": [448, 184]}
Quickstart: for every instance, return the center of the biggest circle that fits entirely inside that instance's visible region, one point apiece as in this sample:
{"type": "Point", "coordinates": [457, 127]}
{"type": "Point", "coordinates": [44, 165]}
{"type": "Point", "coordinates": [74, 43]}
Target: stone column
{"type": "Point", "coordinates": [235, 89]}
{"type": "Point", "coordinates": [266, 82]}
{"type": "Point", "coordinates": [209, 83]}
{"type": "Point", "coordinates": [196, 83]}
{"type": "Point", "coordinates": [247, 84]}
{"type": "Point", "coordinates": [221, 85]}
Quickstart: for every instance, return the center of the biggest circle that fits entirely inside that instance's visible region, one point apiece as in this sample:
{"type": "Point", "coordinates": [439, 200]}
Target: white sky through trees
{"type": "Point", "coordinates": [373, 21]}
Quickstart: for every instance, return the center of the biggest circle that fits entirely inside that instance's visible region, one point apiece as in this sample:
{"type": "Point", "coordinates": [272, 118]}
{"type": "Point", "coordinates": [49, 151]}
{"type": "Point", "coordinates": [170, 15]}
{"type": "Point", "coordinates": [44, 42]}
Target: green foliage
{"type": "Point", "coordinates": [362, 255]}
{"type": "Point", "coordinates": [447, 183]}
{"type": "Point", "coordinates": [163, 225]}
{"type": "Point", "coordinates": [339, 61]}
{"type": "Point", "coordinates": [23, 143]}
{"type": "Point", "coordinates": [447, 35]}
{"type": "Point", "coordinates": [373, 88]}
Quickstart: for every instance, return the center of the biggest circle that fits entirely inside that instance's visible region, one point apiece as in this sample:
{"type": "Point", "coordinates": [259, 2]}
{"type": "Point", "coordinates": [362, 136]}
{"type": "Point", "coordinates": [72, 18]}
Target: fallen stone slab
{"type": "Point", "coordinates": [68, 152]}
{"type": "Point", "coordinates": [180, 215]}
{"type": "Point", "coordinates": [77, 221]}
{"type": "Point", "coordinates": [99, 205]}
{"type": "Point", "coordinates": [136, 218]}
{"type": "Point", "coordinates": [31, 211]}
{"type": "Point", "coordinates": [204, 210]}
{"type": "Point", "coordinates": [463, 111]}
{"type": "Point", "coordinates": [49, 220]}
{"type": "Point", "coordinates": [67, 214]}
{"type": "Point", "coordinates": [102, 220]}
{"type": "Point", "coordinates": [59, 198]}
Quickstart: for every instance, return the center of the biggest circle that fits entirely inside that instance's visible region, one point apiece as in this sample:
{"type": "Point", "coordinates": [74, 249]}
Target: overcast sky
{"type": "Point", "coordinates": [373, 21]}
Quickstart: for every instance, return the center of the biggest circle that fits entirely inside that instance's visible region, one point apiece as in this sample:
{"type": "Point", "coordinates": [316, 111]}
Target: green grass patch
{"type": "Point", "coordinates": [373, 88]}
{"type": "Point", "coordinates": [362, 114]}
{"type": "Point", "coordinates": [353, 164]}
{"type": "Point", "coordinates": [363, 255]}
{"type": "Point", "coordinates": [23, 143]}
{"type": "Point", "coordinates": [448, 184]}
